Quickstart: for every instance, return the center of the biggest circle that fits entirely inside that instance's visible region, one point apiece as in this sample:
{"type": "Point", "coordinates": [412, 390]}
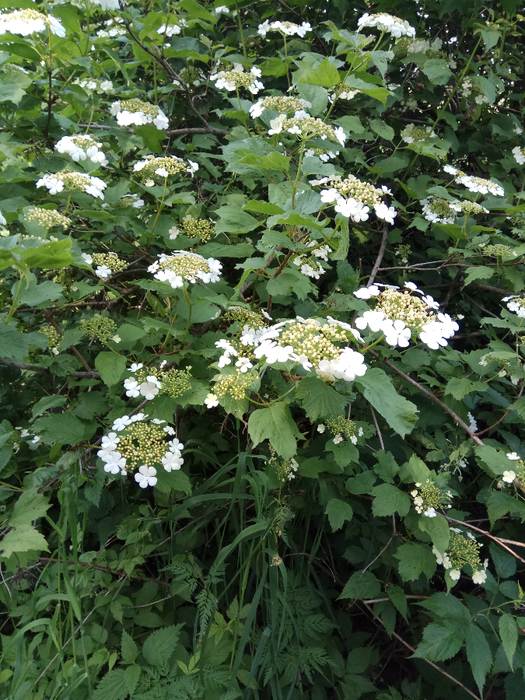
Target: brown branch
{"type": "Point", "coordinates": [52, 321]}
{"type": "Point", "coordinates": [407, 645]}
{"type": "Point", "coordinates": [379, 259]}
{"type": "Point", "coordinates": [45, 370]}
{"type": "Point", "coordinates": [434, 398]}
{"type": "Point", "coordinates": [197, 130]}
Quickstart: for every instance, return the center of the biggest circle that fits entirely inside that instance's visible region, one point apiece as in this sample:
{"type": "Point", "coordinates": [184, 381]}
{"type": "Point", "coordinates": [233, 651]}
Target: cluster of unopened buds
{"type": "Point", "coordinates": [463, 550]}
{"type": "Point", "coordinates": [183, 266]}
{"type": "Point", "coordinates": [306, 127]}
{"type": "Point", "coordinates": [106, 263]}
{"type": "Point", "coordinates": [71, 180]}
{"type": "Point", "coordinates": [428, 497]}
{"type": "Point", "coordinates": [155, 170]}
{"type": "Point", "coordinates": [353, 198]}
{"type": "Point", "coordinates": [148, 382]}
{"type": "Point", "coordinates": [398, 314]}
{"type": "Point", "coordinates": [29, 21]}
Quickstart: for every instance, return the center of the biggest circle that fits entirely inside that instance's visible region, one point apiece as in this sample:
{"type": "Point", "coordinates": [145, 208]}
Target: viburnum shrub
{"type": "Point", "coordinates": [262, 350]}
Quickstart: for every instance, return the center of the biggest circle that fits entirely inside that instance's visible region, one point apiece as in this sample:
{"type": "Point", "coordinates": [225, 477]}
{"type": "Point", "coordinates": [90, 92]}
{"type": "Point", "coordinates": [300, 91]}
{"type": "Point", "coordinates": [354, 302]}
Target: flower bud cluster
{"type": "Point", "coordinates": [53, 338]}
{"type": "Point", "coordinates": [323, 154]}
{"type": "Point", "coordinates": [412, 133]}
{"type": "Point", "coordinates": [133, 442]}
{"type": "Point", "coordinates": [107, 263]}
{"type": "Point", "coordinates": [47, 217]}
{"type": "Point", "coordinates": [286, 28]}
{"type": "Point", "coordinates": [463, 550]}
{"type": "Point", "coordinates": [234, 385]}
{"type": "Point", "coordinates": [309, 264]}
{"type": "Point", "coordinates": [203, 229]}
{"type": "Point", "coordinates": [136, 113]}
{"type": "Point", "coordinates": [151, 381]}
{"type": "Point", "coordinates": [98, 326]}
{"type": "Point", "coordinates": [247, 317]}
{"type": "Point", "coordinates": [428, 497]}
{"type": "Point", "coordinates": [192, 76]}
{"type": "Point", "coordinates": [307, 127]}
{"type": "Point", "coordinates": [497, 250]}
{"type": "Point", "coordinates": [516, 475]}
{"type": "Point", "coordinates": [183, 266]}
{"type": "Point", "coordinates": [157, 169]}
{"type": "Point", "coordinates": [72, 180]}
{"type": "Point", "coordinates": [519, 155]}
{"type": "Point", "coordinates": [80, 148]}
{"type": "Point", "coordinates": [128, 200]}
{"type": "Point", "coordinates": [26, 22]}
{"type": "Point", "coordinates": [236, 78]}
{"type": "Point", "coordinates": [279, 103]}
{"type": "Point", "coordinates": [444, 211]}
{"type": "Point", "coordinates": [341, 428]}
{"type": "Point", "coordinates": [386, 23]}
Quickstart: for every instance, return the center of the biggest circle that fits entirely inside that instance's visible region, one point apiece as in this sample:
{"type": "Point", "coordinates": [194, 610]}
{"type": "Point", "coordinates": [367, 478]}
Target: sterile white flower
{"type": "Point", "coordinates": [508, 477]}
{"type": "Point", "coordinates": [367, 292]}
{"type": "Point", "coordinates": [146, 476]}
{"type": "Point", "coordinates": [211, 401]}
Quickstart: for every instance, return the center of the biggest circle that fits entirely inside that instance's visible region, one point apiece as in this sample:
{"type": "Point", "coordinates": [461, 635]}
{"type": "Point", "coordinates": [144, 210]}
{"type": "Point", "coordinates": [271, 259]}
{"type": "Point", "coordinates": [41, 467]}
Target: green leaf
{"type": "Point", "coordinates": [276, 425]}
{"type": "Point", "coordinates": [440, 642]}
{"type": "Point", "coordinates": [132, 677]}
{"type": "Point", "coordinates": [459, 387]}
{"type": "Point", "coordinates": [52, 256]}
{"type": "Point", "coordinates": [344, 242]}
{"type": "Point", "coordinates": [128, 648]}
{"type": "Point", "coordinates": [438, 530]}
{"type": "Point", "coordinates": [398, 598]}
{"type": "Point", "coordinates": [36, 294]}
{"type": "Point", "coordinates": [377, 388]}
{"type": "Point", "coordinates": [414, 560]}
{"type": "Point", "coordinates": [11, 91]}
{"type": "Point", "coordinates": [437, 71]}
{"type": "Point", "coordinates": [386, 132]}
{"type": "Point", "coordinates": [273, 161]}
{"type": "Point", "coordinates": [234, 220]}
{"type": "Point", "coordinates": [508, 631]}
{"type": "Point", "coordinates": [160, 645]}
{"type": "Point", "coordinates": [63, 429]}
{"type": "Point", "coordinates": [15, 345]}
{"type": "Point", "coordinates": [22, 539]}
{"type": "Point", "coordinates": [47, 402]}
{"type": "Point", "coordinates": [478, 273]}
{"type": "Point", "coordinates": [325, 74]}
{"type": "Point", "coordinates": [319, 400]}
{"type": "Point", "coordinates": [361, 585]}
{"type": "Point", "coordinates": [263, 207]}
{"type": "Point", "coordinates": [172, 481]}
{"type": "Point", "coordinates": [111, 367]}
{"type": "Point", "coordinates": [447, 607]}
{"type": "Point", "coordinates": [493, 461]}
{"type": "Point", "coordinates": [389, 500]}
{"type": "Point", "coordinates": [112, 686]}
{"type": "Point", "coordinates": [478, 654]}
{"type": "Point", "coordinates": [338, 513]}
{"type": "Point", "coordinates": [290, 282]}
{"type": "Point", "coordinates": [30, 506]}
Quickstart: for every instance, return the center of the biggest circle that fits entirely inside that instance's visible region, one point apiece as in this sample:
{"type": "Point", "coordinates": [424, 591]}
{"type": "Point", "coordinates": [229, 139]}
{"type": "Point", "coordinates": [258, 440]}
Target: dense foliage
{"type": "Point", "coordinates": [261, 350]}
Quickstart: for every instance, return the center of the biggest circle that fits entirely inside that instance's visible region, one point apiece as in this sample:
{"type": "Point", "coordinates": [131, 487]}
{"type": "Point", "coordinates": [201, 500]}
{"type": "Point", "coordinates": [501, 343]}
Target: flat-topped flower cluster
{"type": "Point", "coordinates": [445, 211]}
{"type": "Point", "coordinates": [137, 113]}
{"type": "Point", "coordinates": [71, 180]}
{"type": "Point", "coordinates": [80, 148]}
{"type": "Point", "coordinates": [149, 382]}
{"type": "Point", "coordinates": [475, 184]}
{"type": "Point", "coordinates": [279, 103]}
{"type": "Point", "coordinates": [236, 78]}
{"type": "Point", "coordinates": [306, 127]}
{"type": "Point", "coordinates": [137, 446]}
{"type": "Point", "coordinates": [399, 314]}
{"type": "Point", "coordinates": [183, 266]}
{"type": "Point", "coordinates": [26, 22]}
{"type": "Point", "coordinates": [354, 198]}
{"type": "Point", "coordinates": [154, 170]}
{"type": "Point", "coordinates": [386, 23]}
{"type": "Point", "coordinates": [286, 28]}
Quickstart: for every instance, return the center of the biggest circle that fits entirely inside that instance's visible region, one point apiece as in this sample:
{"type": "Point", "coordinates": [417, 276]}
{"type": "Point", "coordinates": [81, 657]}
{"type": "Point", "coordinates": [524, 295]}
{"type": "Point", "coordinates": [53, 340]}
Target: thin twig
{"type": "Point", "coordinates": [45, 370]}
{"type": "Point", "coordinates": [380, 255]}
{"type": "Point", "coordinates": [379, 435]}
{"type": "Point", "coordinates": [407, 645]}
{"type": "Point", "coordinates": [498, 540]}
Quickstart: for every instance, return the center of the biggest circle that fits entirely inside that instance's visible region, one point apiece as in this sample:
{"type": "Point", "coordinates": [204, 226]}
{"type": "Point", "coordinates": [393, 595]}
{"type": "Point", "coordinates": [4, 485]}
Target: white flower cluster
{"type": "Point", "coordinates": [387, 23]}
{"type": "Point", "coordinates": [287, 28]}
{"type": "Point", "coordinates": [153, 169]}
{"type": "Point", "coordinates": [433, 330]}
{"type": "Point", "coordinates": [413, 133]}
{"type": "Point", "coordinates": [307, 127]}
{"type": "Point", "coordinates": [95, 85]}
{"type": "Point", "coordinates": [515, 304]}
{"type": "Point", "coordinates": [519, 155]}
{"type": "Point", "coordinates": [107, 4]}
{"type": "Point", "coordinates": [440, 211]}
{"type": "Point", "coordinates": [81, 148]}
{"type": "Point", "coordinates": [323, 154]}
{"type": "Point", "coordinates": [475, 184]}
{"type": "Point", "coordinates": [148, 389]}
{"type": "Point", "coordinates": [470, 89]}
{"type": "Point", "coordinates": [236, 78]}
{"type": "Point", "coordinates": [279, 103]}
{"type": "Point", "coordinates": [243, 364]}
{"type": "Point", "coordinates": [26, 22]}
{"type": "Point", "coordinates": [71, 180]}
{"type": "Point", "coordinates": [138, 442]}
{"type": "Point", "coordinates": [354, 198]}
{"type": "Point", "coordinates": [306, 342]}
{"type": "Point", "coordinates": [114, 27]}
{"type": "Point", "coordinates": [184, 266]}
{"type": "Point", "coordinates": [310, 267]}
{"type": "Point", "coordinates": [173, 28]}
{"type": "Point", "coordinates": [137, 113]}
